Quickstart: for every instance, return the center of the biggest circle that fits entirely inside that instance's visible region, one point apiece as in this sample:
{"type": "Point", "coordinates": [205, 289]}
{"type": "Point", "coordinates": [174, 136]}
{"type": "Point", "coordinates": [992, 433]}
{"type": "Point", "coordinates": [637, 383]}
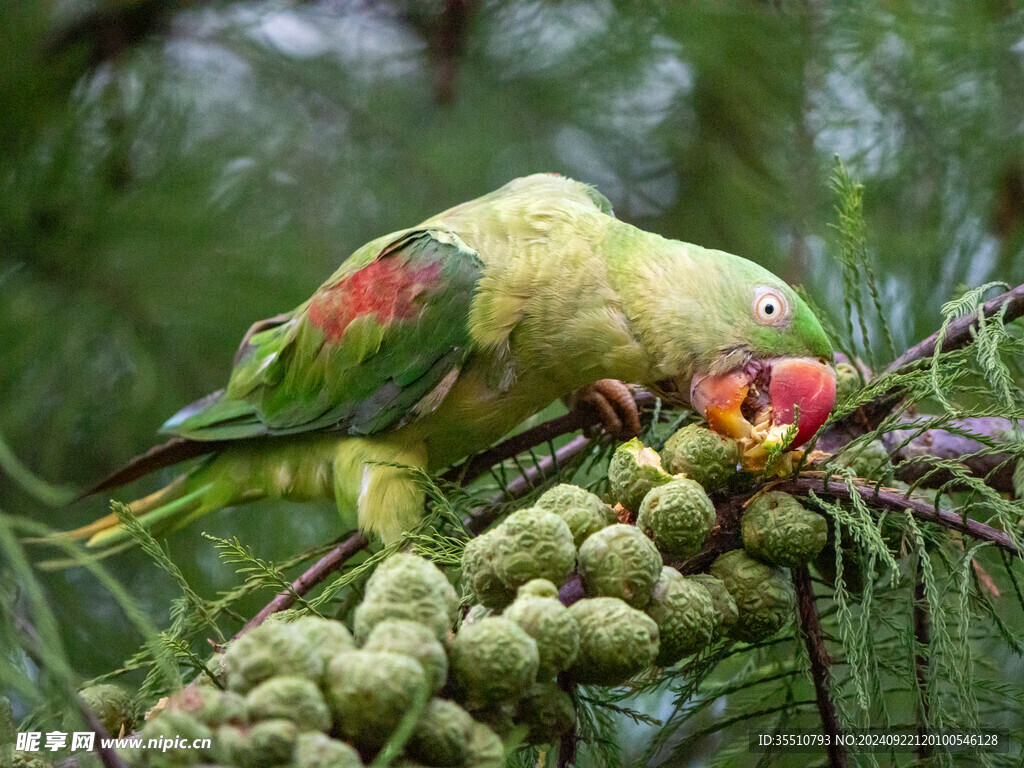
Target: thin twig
{"type": "Point", "coordinates": [567, 745]}
{"type": "Point", "coordinates": [319, 571]}
{"type": "Point", "coordinates": [481, 517]}
{"type": "Point", "coordinates": [895, 499]}
{"type": "Point", "coordinates": [959, 333]}
{"type": "Point", "coordinates": [921, 642]}
{"type": "Point", "coordinates": [820, 664]}
{"type": "Point", "coordinates": [107, 755]}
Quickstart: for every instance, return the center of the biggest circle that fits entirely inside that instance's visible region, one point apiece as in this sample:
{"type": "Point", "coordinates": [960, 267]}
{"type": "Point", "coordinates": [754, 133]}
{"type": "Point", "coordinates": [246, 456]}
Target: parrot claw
{"type": "Point", "coordinates": [614, 404]}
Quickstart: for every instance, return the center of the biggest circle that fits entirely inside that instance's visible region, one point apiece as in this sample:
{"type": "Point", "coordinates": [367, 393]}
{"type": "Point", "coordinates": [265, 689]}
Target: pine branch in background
{"type": "Point", "coordinates": [159, 555]}
{"type": "Point", "coordinates": [255, 569]}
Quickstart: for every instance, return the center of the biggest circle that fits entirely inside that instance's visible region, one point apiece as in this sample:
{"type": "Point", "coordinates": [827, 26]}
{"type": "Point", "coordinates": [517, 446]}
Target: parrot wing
{"type": "Point", "coordinates": [378, 345]}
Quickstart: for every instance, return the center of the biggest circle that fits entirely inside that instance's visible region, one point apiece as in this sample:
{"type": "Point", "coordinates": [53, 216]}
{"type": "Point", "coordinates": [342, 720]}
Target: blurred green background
{"type": "Point", "coordinates": [171, 172]}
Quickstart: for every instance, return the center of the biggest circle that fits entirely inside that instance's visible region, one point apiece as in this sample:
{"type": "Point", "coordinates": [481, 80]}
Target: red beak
{"type": "Point", "coordinates": [804, 384]}
{"type": "Point", "coordinates": [803, 387]}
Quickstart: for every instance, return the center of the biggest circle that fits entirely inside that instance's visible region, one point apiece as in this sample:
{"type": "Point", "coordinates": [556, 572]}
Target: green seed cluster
{"type": "Point", "coordinates": [113, 706]}
{"type": "Point", "coordinates": [778, 530]}
{"type": "Point", "coordinates": [452, 685]}
{"type": "Point", "coordinates": [308, 694]}
{"type": "Point", "coordinates": [701, 455]}
{"type": "Point", "coordinates": [746, 595]}
{"type": "Point", "coordinates": [763, 595]}
{"type": "Point", "coordinates": [635, 613]}
{"type": "Point", "coordinates": [530, 544]}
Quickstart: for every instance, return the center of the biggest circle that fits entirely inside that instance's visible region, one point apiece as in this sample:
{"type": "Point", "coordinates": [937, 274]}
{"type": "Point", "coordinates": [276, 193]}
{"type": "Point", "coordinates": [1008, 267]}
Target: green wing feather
{"type": "Point", "coordinates": [383, 333]}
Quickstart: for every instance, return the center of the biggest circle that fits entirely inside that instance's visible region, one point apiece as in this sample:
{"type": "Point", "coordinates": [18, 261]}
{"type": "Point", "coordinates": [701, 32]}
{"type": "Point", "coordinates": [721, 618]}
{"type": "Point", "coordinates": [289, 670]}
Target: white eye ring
{"type": "Point", "coordinates": [770, 307]}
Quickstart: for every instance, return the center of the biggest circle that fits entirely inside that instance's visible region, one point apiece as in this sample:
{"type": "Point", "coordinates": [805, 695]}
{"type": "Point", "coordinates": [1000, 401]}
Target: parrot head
{"type": "Point", "coordinates": [763, 361]}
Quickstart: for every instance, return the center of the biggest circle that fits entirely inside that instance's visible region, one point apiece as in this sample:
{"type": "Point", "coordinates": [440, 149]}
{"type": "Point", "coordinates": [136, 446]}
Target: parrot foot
{"type": "Point", "coordinates": [614, 404]}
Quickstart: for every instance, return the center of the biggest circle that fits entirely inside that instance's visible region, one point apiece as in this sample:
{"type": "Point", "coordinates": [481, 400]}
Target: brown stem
{"type": "Point", "coordinates": [894, 499]}
{"type": "Point", "coordinates": [319, 571]}
{"type": "Point", "coordinates": [959, 333]}
{"type": "Point", "coordinates": [477, 465]}
{"type": "Point", "coordinates": [725, 536]}
{"type": "Point", "coordinates": [921, 454]}
{"type": "Point", "coordinates": [820, 664]}
{"type": "Point", "coordinates": [920, 611]}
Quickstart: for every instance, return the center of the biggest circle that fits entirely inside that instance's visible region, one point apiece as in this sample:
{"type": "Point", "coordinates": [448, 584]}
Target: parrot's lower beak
{"type": "Point", "coordinates": [763, 397]}
{"type": "Point", "coordinates": [719, 399]}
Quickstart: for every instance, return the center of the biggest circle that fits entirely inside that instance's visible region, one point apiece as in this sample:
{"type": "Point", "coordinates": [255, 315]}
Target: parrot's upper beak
{"type": "Point", "coordinates": [764, 396]}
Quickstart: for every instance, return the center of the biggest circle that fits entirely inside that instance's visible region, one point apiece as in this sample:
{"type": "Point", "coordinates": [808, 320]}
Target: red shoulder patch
{"type": "Point", "coordinates": [386, 288]}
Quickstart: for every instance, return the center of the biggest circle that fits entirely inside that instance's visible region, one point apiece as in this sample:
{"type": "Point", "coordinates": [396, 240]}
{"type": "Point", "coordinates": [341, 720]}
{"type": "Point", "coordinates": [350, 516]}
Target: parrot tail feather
{"type": "Point", "coordinates": [162, 519]}
{"type": "Point", "coordinates": [167, 454]}
{"type": "Point", "coordinates": [168, 509]}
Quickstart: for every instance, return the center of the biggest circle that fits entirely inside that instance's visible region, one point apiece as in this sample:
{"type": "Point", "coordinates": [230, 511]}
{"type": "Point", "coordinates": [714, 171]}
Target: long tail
{"type": "Point", "coordinates": [187, 497]}
{"type": "Point", "coordinates": [161, 456]}
{"type": "Point", "coordinates": [299, 470]}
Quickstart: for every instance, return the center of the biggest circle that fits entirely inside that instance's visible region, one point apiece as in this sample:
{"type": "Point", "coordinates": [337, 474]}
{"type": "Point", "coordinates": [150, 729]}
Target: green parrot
{"type": "Point", "coordinates": [430, 343]}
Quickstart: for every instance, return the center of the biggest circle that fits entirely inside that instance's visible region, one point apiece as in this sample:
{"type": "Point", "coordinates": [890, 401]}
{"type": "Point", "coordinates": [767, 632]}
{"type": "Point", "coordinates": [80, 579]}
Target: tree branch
{"type": "Point", "coordinates": [892, 498]}
{"type": "Point", "coordinates": [820, 664]}
{"type": "Point", "coordinates": [959, 333]}
{"type": "Point", "coordinates": [319, 571]}
{"type": "Point", "coordinates": [937, 444]}
{"type": "Point", "coordinates": [567, 745]}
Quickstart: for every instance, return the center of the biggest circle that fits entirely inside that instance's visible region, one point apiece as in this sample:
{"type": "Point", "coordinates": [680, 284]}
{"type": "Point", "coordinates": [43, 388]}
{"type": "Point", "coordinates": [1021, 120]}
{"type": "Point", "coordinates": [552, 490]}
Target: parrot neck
{"type": "Point", "coordinates": [664, 288]}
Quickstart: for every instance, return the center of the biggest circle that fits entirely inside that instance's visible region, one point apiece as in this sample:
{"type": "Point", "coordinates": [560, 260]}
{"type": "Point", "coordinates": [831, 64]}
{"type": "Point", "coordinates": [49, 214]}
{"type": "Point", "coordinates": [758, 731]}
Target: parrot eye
{"type": "Point", "coordinates": [770, 307]}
